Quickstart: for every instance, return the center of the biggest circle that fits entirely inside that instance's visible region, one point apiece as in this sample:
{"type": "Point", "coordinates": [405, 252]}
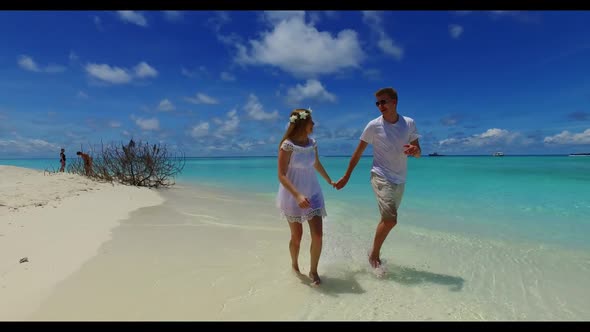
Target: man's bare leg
{"type": "Point", "coordinates": [383, 229]}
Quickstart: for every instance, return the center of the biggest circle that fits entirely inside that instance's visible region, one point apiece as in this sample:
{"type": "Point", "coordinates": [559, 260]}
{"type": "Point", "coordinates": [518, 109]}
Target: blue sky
{"type": "Point", "coordinates": [216, 83]}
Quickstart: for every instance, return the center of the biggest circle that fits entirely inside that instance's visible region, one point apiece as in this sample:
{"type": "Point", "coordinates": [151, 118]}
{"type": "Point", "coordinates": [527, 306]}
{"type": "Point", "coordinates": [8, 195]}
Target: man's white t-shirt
{"type": "Point", "coordinates": [388, 140]}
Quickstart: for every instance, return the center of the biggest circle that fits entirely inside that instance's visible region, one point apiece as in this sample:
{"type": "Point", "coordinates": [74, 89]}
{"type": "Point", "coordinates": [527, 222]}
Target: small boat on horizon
{"type": "Point", "coordinates": [584, 154]}
{"type": "Point", "coordinates": [435, 154]}
{"type": "Point", "coordinates": [498, 154]}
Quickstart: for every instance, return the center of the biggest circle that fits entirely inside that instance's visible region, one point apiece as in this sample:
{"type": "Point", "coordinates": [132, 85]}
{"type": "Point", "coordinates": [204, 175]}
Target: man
{"type": "Point", "coordinates": [394, 137]}
{"type": "Point", "coordinates": [62, 160]}
{"type": "Point", "coordinates": [87, 162]}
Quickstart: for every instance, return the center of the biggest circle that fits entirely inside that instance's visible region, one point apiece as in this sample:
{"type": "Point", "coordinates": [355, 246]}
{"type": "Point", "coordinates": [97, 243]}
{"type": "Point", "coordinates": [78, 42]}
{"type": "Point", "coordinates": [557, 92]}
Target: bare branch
{"type": "Point", "coordinates": [138, 164]}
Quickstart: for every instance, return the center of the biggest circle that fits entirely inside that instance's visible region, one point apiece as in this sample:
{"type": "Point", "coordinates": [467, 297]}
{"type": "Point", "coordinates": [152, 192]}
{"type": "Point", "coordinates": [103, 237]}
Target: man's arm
{"type": "Point", "coordinates": [356, 156]}
{"type": "Point", "coordinates": [413, 149]}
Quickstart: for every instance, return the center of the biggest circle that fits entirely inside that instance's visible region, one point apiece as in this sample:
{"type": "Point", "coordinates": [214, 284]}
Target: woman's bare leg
{"type": "Point", "coordinates": [295, 243]}
{"type": "Point", "coordinates": [317, 233]}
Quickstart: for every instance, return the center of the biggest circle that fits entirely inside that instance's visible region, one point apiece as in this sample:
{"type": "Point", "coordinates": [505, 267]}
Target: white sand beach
{"type": "Point", "coordinates": [116, 253]}
{"type": "Point", "coordinates": [57, 222]}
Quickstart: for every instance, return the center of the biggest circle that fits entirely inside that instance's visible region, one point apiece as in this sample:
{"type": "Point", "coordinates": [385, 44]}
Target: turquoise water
{"type": "Point", "coordinates": [544, 199]}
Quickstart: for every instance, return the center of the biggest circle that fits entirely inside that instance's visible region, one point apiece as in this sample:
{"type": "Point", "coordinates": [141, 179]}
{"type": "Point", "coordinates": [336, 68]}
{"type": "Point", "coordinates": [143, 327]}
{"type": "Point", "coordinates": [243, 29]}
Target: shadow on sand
{"type": "Point", "coordinates": [332, 286]}
{"type": "Point", "coordinates": [411, 276]}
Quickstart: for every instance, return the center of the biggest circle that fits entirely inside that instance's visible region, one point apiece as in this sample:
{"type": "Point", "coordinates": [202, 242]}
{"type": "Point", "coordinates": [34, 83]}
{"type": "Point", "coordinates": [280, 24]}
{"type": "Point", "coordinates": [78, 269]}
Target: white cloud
{"type": "Point", "coordinates": [314, 18]}
{"type": "Point", "coordinates": [166, 106]}
{"type": "Point", "coordinates": [388, 46]}
{"type": "Point", "coordinates": [565, 137]}
{"type": "Point", "coordinates": [455, 30]}
{"type": "Point", "coordinates": [118, 75]}
{"type": "Point", "coordinates": [200, 130]}
{"type": "Point", "coordinates": [317, 16]}
{"type": "Point", "coordinates": [275, 17]}
{"type": "Point", "coordinates": [220, 19]}
{"type": "Point", "coordinates": [26, 62]}
{"type": "Point", "coordinates": [187, 72]}
{"type": "Point", "coordinates": [143, 70]}
{"type": "Point", "coordinates": [492, 136]}
{"type": "Point", "coordinates": [73, 56]}
{"type": "Point", "coordinates": [521, 16]}
{"type": "Point", "coordinates": [147, 124]}
{"type": "Point", "coordinates": [107, 73]}
{"type": "Point", "coordinates": [232, 40]}
{"type": "Point", "coordinates": [227, 76]}
{"type": "Point", "coordinates": [26, 145]}
{"type": "Point", "coordinates": [132, 17]}
{"type": "Point", "coordinates": [255, 110]}
{"type": "Point", "coordinates": [372, 74]}
{"type": "Point", "coordinates": [311, 90]}
{"type": "Point", "coordinates": [98, 23]}
{"type": "Point", "coordinates": [245, 146]}
{"type": "Point", "coordinates": [229, 125]}
{"type": "Point", "coordinates": [202, 98]}
{"type": "Point", "coordinates": [114, 124]}
{"type": "Point", "coordinates": [374, 20]}
{"type": "Point", "coordinates": [82, 95]}
{"type": "Point", "coordinates": [173, 15]}
{"type": "Point", "coordinates": [449, 121]}
{"type": "Point", "coordinates": [300, 49]}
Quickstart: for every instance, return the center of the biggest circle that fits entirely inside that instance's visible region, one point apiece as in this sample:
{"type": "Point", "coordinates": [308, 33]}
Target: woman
{"type": "Point", "coordinates": [300, 196]}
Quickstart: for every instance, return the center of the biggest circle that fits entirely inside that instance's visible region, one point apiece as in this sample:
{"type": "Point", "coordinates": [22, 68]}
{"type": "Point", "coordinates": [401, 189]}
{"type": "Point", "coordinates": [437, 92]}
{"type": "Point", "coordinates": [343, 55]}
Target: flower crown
{"type": "Point", "coordinates": [302, 115]}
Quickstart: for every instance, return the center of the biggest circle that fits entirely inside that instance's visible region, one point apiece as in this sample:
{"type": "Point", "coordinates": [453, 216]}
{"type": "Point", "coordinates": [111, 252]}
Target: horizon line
{"type": "Point", "coordinates": [339, 156]}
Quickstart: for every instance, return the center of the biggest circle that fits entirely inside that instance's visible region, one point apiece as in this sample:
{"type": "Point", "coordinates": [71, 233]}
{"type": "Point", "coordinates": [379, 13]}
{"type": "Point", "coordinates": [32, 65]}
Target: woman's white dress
{"type": "Point", "coordinates": [302, 174]}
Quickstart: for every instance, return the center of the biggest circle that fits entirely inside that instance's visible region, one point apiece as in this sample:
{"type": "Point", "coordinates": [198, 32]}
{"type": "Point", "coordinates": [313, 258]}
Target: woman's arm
{"type": "Point", "coordinates": [320, 168]}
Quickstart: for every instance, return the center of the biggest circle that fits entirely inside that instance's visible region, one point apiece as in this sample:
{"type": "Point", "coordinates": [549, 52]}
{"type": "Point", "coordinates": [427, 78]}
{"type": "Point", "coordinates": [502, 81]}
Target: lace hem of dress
{"type": "Point", "coordinates": [321, 212]}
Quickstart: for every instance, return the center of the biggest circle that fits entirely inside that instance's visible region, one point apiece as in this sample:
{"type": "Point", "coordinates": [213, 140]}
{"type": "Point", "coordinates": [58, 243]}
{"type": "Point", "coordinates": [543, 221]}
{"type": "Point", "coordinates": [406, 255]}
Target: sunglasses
{"type": "Point", "coordinates": [382, 102]}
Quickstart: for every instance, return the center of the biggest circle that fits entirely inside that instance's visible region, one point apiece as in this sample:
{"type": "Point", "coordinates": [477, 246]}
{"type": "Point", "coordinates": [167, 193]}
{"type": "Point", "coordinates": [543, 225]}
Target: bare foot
{"type": "Point", "coordinates": [377, 266]}
{"type": "Point", "coordinates": [374, 261]}
{"type": "Point", "coordinates": [315, 278]}
{"type": "Point", "coordinates": [296, 268]}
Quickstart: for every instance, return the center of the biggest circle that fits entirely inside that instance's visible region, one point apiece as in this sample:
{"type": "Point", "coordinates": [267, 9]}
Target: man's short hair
{"type": "Point", "coordinates": [387, 91]}
{"type": "Point", "coordinates": [78, 153]}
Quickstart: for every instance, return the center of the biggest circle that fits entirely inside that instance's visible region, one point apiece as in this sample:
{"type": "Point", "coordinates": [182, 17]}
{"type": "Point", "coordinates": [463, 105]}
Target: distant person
{"type": "Point", "coordinates": [87, 162]}
{"type": "Point", "coordinates": [62, 160]}
{"type": "Point", "coordinates": [394, 138]}
{"type": "Point", "coordinates": [300, 196]}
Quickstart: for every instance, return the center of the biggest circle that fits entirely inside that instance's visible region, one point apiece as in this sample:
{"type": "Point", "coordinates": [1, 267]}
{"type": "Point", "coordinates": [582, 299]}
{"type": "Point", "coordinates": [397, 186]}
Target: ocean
{"type": "Point", "coordinates": [540, 199]}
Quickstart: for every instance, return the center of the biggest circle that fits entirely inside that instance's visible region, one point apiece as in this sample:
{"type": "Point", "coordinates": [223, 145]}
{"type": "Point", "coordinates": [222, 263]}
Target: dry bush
{"type": "Point", "coordinates": [138, 164]}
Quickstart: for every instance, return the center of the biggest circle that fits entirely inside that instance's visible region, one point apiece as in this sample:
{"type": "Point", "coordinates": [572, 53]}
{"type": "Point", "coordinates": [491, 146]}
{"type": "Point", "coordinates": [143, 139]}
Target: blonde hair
{"type": "Point", "coordinates": [296, 126]}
